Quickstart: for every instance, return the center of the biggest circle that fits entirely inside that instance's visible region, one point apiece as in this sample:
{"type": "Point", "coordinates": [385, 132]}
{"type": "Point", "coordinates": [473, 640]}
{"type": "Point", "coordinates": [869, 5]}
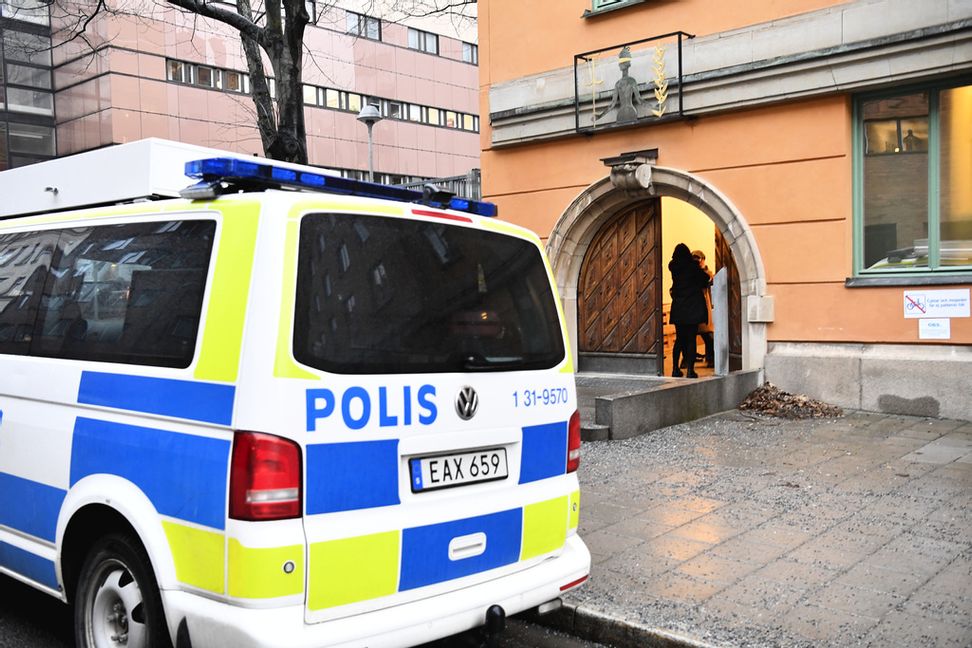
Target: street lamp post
{"type": "Point", "coordinates": [369, 116]}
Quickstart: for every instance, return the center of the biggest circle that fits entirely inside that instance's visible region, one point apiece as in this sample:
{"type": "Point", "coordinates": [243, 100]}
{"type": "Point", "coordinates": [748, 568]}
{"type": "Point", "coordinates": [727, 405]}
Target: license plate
{"type": "Point", "coordinates": [443, 471]}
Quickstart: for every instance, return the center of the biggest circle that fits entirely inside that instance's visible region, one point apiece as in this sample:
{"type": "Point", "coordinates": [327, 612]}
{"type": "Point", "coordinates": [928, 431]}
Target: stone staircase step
{"type": "Point", "coordinates": [595, 432]}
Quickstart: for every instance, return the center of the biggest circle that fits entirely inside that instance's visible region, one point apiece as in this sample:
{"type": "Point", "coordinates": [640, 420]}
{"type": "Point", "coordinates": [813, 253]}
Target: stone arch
{"type": "Point", "coordinates": [576, 227]}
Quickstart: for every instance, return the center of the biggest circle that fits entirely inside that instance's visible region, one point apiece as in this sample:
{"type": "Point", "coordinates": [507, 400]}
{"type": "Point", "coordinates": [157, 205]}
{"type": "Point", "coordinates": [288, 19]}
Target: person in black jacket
{"type": "Point", "coordinates": [689, 282]}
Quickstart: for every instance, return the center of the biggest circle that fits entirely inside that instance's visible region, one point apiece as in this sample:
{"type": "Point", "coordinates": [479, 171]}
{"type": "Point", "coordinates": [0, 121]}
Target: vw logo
{"type": "Point", "coordinates": [467, 400]}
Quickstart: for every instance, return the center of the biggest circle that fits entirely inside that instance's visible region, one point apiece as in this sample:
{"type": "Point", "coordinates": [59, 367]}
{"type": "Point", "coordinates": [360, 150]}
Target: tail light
{"type": "Point", "coordinates": [573, 442]}
{"type": "Point", "coordinates": [264, 478]}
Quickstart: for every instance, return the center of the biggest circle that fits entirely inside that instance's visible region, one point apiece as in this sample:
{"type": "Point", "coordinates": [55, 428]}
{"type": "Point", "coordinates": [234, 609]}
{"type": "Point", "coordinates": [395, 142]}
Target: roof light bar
{"type": "Point", "coordinates": [214, 172]}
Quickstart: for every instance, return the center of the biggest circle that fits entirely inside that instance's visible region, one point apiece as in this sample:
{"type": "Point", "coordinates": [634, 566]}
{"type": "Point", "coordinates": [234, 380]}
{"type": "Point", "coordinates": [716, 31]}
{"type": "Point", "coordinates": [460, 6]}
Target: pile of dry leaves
{"type": "Point", "coordinates": [773, 401]}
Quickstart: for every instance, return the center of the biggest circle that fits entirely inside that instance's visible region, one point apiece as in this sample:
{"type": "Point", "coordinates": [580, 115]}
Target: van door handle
{"type": "Point", "coordinates": [467, 546]}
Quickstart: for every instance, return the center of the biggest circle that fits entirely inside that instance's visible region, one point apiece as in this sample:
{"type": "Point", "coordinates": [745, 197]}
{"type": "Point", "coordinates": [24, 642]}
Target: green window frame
{"type": "Point", "coordinates": [892, 176]}
{"type": "Point", "coordinates": [603, 6]}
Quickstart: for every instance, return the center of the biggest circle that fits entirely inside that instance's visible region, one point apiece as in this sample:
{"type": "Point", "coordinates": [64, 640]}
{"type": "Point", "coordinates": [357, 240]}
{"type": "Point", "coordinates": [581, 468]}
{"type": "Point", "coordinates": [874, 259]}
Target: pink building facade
{"type": "Point", "coordinates": [159, 72]}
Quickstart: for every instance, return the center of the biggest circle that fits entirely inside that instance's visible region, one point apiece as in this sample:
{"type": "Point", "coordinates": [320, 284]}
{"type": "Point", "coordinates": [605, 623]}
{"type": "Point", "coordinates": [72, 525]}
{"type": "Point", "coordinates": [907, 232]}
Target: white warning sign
{"type": "Point", "coordinates": [936, 303]}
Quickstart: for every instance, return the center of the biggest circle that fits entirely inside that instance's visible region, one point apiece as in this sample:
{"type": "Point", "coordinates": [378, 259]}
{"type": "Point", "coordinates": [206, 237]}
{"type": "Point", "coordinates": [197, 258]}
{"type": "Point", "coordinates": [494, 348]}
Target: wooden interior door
{"type": "Point", "coordinates": [619, 301]}
{"type": "Point", "coordinates": [724, 260]}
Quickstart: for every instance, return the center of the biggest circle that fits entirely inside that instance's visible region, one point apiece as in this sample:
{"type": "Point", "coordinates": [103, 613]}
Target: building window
{"type": "Point", "coordinates": [392, 109]}
{"type": "Point", "coordinates": [4, 164]}
{"type": "Point", "coordinates": [364, 26]}
{"type": "Point", "coordinates": [310, 95]}
{"type": "Point", "coordinates": [208, 77]}
{"type": "Point", "coordinates": [205, 76]}
{"type": "Point", "coordinates": [234, 81]}
{"type": "Point", "coordinates": [332, 98]}
{"type": "Point", "coordinates": [470, 53]}
{"type": "Point", "coordinates": [914, 197]}
{"type": "Point", "coordinates": [424, 41]}
{"type": "Point", "coordinates": [34, 102]}
{"type": "Point", "coordinates": [28, 76]}
{"type": "Point", "coordinates": [26, 48]}
{"type": "Point", "coordinates": [353, 102]}
{"type": "Point", "coordinates": [32, 140]}
{"type": "Point", "coordinates": [176, 71]}
{"type": "Point", "coordinates": [33, 11]}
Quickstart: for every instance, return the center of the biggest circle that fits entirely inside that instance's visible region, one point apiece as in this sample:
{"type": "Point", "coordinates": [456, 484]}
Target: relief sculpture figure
{"type": "Point", "coordinates": [626, 93]}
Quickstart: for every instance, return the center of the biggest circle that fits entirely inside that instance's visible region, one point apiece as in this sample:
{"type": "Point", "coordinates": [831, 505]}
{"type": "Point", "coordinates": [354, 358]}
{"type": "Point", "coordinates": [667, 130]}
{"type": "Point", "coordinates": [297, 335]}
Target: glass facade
{"type": "Point", "coordinates": [26, 93]}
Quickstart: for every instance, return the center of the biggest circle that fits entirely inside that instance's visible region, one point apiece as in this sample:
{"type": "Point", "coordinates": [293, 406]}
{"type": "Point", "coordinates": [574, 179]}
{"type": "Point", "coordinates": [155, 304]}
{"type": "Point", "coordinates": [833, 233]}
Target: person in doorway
{"type": "Point", "coordinates": [689, 282]}
{"type": "Point", "coordinates": [705, 328]}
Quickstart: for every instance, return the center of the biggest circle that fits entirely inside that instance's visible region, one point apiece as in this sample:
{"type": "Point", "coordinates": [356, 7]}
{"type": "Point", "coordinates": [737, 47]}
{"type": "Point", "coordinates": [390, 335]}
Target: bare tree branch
{"type": "Point", "coordinates": [231, 18]}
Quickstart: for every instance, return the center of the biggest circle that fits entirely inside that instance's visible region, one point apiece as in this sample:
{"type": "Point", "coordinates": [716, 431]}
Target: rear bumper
{"type": "Point", "coordinates": [212, 623]}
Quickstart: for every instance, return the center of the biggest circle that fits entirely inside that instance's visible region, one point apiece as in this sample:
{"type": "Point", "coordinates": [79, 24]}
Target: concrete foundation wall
{"type": "Point", "coordinates": [918, 380]}
{"type": "Point", "coordinates": [674, 402]}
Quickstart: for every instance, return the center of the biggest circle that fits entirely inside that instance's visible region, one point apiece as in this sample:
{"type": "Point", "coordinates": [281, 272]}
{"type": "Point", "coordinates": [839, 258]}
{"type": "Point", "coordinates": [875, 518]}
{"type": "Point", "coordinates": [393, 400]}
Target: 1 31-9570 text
{"type": "Point", "coordinates": [534, 397]}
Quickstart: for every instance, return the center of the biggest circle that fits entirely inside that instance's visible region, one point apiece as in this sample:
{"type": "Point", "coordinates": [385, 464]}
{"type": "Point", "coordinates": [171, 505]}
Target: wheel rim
{"type": "Point", "coordinates": [114, 614]}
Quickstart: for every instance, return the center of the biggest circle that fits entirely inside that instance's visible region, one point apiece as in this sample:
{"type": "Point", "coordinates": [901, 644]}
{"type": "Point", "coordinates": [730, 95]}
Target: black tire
{"type": "Point", "coordinates": [117, 602]}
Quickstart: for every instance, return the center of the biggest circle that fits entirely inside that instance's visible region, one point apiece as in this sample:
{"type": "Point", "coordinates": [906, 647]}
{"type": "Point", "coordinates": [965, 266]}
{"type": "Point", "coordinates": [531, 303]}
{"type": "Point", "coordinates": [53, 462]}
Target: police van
{"type": "Point", "coordinates": [285, 409]}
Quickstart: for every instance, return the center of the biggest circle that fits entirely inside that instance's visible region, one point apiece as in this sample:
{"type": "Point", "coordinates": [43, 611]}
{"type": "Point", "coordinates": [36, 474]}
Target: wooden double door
{"type": "Point", "coordinates": [619, 300]}
{"type": "Point", "coordinates": [620, 295]}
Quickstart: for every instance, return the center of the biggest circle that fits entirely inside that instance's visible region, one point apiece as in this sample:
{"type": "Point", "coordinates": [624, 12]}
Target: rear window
{"type": "Point", "coordinates": [392, 295]}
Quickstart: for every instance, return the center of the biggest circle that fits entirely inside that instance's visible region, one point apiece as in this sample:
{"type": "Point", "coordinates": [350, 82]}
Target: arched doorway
{"type": "Point", "coordinates": [602, 201]}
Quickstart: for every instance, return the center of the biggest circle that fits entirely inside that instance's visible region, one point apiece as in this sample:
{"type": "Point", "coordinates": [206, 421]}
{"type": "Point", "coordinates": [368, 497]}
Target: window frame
{"type": "Point", "coordinates": [363, 22]}
{"type": "Point", "coordinates": [423, 37]}
{"type": "Point", "coordinates": [599, 7]}
{"type": "Point", "coordinates": [934, 272]}
{"type": "Point", "coordinates": [470, 53]}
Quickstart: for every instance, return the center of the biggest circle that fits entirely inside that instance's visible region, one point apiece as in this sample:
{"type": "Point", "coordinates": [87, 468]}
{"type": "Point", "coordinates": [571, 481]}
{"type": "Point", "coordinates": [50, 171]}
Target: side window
{"type": "Point", "coordinates": [24, 262]}
{"type": "Point", "coordinates": [126, 293]}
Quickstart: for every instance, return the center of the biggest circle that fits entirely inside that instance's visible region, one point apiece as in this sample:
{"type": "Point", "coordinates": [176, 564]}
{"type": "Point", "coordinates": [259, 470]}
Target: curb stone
{"type": "Point", "coordinates": [598, 627]}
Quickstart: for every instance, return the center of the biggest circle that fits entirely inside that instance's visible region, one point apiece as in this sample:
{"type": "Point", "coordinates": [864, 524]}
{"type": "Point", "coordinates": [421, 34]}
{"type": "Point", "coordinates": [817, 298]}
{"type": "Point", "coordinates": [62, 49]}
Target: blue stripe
{"type": "Point", "coordinates": [34, 567]}
{"type": "Point", "coordinates": [187, 399]}
{"type": "Point", "coordinates": [544, 452]}
{"type": "Point", "coordinates": [425, 550]}
{"type": "Point", "coordinates": [182, 474]}
{"type": "Point", "coordinates": [30, 507]}
{"type": "Point", "coordinates": [351, 476]}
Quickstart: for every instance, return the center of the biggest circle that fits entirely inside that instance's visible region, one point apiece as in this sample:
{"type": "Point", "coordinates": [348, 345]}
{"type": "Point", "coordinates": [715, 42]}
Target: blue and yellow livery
{"type": "Point", "coordinates": [343, 416]}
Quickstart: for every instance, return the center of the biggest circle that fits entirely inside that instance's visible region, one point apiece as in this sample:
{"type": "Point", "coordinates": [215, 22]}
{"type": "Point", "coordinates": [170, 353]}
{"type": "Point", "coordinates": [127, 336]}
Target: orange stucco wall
{"type": "Point", "coordinates": [521, 38]}
{"type": "Point", "coordinates": [787, 167]}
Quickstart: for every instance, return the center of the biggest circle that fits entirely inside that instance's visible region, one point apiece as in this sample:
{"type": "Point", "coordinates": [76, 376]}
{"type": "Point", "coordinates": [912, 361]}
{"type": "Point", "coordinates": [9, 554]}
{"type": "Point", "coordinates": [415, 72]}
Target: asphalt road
{"type": "Point", "coordinates": [30, 619]}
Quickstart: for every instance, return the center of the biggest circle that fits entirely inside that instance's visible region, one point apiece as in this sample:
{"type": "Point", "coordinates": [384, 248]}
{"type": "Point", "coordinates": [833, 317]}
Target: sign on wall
{"type": "Point", "coordinates": [935, 329]}
{"type": "Point", "coordinates": [936, 303]}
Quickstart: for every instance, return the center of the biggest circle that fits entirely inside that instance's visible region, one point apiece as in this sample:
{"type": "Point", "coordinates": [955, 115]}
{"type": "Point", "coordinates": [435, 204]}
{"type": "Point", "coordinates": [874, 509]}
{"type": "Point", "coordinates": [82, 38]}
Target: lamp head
{"type": "Point", "coordinates": [369, 115]}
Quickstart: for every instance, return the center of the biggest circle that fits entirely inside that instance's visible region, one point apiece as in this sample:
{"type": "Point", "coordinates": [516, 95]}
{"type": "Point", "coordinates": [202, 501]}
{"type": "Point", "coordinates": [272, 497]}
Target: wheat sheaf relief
{"type": "Point", "coordinates": [661, 81]}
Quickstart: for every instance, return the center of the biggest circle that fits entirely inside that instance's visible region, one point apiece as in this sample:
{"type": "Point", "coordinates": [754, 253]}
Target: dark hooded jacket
{"type": "Point", "coordinates": [688, 285]}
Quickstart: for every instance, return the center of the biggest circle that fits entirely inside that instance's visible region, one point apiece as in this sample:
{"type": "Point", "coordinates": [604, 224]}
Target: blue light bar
{"type": "Point", "coordinates": [235, 170]}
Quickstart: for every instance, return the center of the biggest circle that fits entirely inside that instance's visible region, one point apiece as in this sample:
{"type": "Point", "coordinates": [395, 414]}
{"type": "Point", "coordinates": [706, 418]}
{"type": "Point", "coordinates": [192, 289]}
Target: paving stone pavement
{"type": "Point", "coordinates": [742, 530]}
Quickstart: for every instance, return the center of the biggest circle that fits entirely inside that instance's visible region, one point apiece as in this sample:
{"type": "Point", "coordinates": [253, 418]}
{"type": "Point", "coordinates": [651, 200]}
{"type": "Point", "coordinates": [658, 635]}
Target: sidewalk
{"type": "Point", "coordinates": [737, 530]}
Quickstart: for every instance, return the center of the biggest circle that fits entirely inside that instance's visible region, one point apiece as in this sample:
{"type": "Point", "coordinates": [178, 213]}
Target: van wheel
{"type": "Point", "coordinates": [117, 601]}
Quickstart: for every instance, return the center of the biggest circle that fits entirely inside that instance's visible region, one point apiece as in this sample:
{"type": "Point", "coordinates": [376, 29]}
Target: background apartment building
{"type": "Point", "coordinates": [819, 150]}
{"type": "Point", "coordinates": [153, 71]}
